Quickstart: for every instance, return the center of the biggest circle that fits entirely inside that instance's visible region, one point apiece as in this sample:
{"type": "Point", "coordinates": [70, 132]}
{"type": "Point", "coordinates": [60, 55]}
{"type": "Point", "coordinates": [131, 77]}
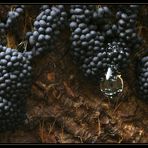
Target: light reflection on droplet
{"type": "Point", "coordinates": [111, 86]}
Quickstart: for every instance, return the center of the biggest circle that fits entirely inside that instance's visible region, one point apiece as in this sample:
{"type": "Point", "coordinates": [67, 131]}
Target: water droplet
{"type": "Point", "coordinates": [112, 84]}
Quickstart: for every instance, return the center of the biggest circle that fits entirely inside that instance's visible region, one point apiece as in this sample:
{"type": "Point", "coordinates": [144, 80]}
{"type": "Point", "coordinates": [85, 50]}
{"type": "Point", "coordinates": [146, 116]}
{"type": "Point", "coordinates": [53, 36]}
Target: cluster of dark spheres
{"type": "Point", "coordinates": [99, 45]}
{"type": "Point", "coordinates": [97, 42]}
{"type": "Point", "coordinates": [9, 21]}
{"type": "Point", "coordinates": [15, 84]}
{"type": "Point", "coordinates": [47, 27]}
{"type": "Point", "coordinates": [142, 77]}
{"type": "Point", "coordinates": [126, 23]}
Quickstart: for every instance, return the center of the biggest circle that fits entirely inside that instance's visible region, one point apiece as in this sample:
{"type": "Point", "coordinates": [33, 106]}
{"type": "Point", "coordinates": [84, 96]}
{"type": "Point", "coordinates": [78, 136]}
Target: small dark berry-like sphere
{"type": "Point", "coordinates": [15, 85]}
{"type": "Point", "coordinates": [142, 77]}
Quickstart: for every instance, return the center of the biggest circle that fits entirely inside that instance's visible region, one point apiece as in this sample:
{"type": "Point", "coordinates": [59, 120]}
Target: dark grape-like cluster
{"type": "Point", "coordinates": [85, 40]}
{"type": "Point", "coordinates": [15, 83]}
{"type": "Point", "coordinates": [47, 27]}
{"type": "Point", "coordinates": [126, 24]}
{"type": "Point", "coordinates": [142, 77]}
{"type": "Point", "coordinates": [10, 21]}
{"type": "Point", "coordinates": [86, 43]}
{"type": "Point", "coordinates": [97, 45]}
{"type": "Point", "coordinates": [13, 16]}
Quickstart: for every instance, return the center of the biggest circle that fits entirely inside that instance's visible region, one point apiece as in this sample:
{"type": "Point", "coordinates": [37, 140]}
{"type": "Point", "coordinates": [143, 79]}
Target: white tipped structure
{"type": "Point", "coordinates": [109, 73]}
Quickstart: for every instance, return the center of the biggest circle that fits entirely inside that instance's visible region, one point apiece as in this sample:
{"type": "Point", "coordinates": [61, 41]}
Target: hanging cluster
{"type": "Point", "coordinates": [98, 42]}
